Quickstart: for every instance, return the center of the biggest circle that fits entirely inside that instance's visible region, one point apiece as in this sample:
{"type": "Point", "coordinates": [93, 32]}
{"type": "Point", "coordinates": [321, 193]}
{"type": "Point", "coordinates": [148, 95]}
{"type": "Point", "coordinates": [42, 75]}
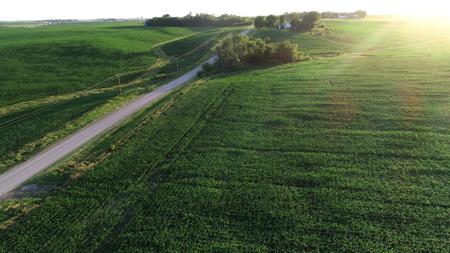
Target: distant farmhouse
{"type": "Point", "coordinates": [60, 21]}
{"type": "Point", "coordinates": [349, 16]}
{"type": "Point", "coordinates": [285, 26]}
{"type": "Point", "coordinates": [289, 16]}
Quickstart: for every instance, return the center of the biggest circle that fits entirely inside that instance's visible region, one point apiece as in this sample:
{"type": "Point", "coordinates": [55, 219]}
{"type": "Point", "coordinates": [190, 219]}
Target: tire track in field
{"type": "Point", "coordinates": [123, 200]}
{"type": "Point", "coordinates": [165, 162]}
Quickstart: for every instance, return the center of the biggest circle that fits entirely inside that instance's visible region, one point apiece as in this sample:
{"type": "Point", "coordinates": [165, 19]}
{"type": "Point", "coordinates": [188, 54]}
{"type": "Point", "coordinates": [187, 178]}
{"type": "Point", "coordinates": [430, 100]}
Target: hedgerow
{"type": "Point", "coordinates": [240, 52]}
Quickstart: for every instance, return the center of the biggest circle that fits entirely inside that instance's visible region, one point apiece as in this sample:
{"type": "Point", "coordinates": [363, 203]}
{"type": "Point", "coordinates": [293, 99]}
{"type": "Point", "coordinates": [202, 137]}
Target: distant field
{"type": "Point", "coordinates": [177, 48]}
{"type": "Point", "coordinates": [22, 24]}
{"type": "Point", "coordinates": [337, 154]}
{"type": "Point", "coordinates": [356, 36]}
{"type": "Point", "coordinates": [53, 60]}
{"type": "Point", "coordinates": [193, 49]}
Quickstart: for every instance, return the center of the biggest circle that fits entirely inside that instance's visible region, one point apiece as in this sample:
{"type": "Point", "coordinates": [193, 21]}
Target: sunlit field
{"type": "Point", "coordinates": [346, 152]}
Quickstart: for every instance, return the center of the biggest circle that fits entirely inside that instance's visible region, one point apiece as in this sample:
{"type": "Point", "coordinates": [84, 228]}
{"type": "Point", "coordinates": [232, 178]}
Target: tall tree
{"type": "Point", "coordinates": [282, 20]}
{"type": "Point", "coordinates": [309, 20]}
{"type": "Point", "coordinates": [260, 22]}
{"type": "Point", "coordinates": [296, 24]}
{"type": "Point", "coordinates": [361, 14]}
{"type": "Point", "coordinates": [272, 21]}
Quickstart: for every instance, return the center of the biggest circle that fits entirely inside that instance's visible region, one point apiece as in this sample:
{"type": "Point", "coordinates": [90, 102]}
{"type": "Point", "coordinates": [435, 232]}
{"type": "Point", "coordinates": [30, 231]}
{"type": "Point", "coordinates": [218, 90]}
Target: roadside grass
{"type": "Point", "coordinates": [341, 154]}
{"type": "Point", "coordinates": [15, 134]}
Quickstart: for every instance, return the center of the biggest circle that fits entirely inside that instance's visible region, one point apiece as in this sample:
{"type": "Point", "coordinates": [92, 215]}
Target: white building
{"type": "Point", "coordinates": [285, 26]}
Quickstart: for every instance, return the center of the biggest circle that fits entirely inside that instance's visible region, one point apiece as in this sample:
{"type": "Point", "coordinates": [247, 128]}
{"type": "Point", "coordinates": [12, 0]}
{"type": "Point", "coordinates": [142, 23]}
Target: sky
{"type": "Point", "coordinates": [91, 9]}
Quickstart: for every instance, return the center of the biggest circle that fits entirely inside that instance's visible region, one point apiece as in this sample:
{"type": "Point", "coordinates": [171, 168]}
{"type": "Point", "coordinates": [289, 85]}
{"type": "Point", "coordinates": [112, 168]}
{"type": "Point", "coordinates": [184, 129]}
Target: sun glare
{"type": "Point", "coordinates": [436, 10]}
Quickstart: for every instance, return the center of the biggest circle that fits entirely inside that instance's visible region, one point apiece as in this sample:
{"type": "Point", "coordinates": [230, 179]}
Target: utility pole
{"type": "Point", "coordinates": [120, 86]}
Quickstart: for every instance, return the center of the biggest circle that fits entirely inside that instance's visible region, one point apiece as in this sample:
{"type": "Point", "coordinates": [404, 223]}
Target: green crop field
{"type": "Point", "coordinates": [343, 153]}
{"type": "Point", "coordinates": [53, 60]}
{"type": "Point", "coordinates": [50, 76]}
{"type": "Point", "coordinates": [192, 50]}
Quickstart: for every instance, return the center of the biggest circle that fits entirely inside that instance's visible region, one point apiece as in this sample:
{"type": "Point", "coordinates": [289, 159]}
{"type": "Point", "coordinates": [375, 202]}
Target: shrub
{"type": "Point", "coordinates": [260, 22]}
{"type": "Point", "coordinates": [287, 52]}
{"type": "Point", "coordinates": [208, 69]}
{"type": "Point", "coordinates": [307, 23]}
{"type": "Point", "coordinates": [361, 14]}
{"type": "Point", "coordinates": [272, 21]}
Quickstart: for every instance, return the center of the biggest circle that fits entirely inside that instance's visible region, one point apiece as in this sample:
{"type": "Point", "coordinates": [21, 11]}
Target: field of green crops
{"type": "Point", "coordinates": [349, 153]}
{"type": "Point", "coordinates": [192, 50]}
{"type": "Point", "coordinates": [49, 76]}
{"type": "Point", "coordinates": [53, 60]}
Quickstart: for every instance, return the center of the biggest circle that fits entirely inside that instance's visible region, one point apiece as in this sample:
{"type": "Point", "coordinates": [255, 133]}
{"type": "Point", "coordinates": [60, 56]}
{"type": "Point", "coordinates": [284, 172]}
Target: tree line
{"type": "Point", "coordinates": [344, 15]}
{"type": "Point", "coordinates": [199, 20]}
{"type": "Point", "coordinates": [296, 21]}
{"type": "Point", "coordinates": [240, 52]}
{"type": "Point", "coordinates": [302, 21]}
{"type": "Point", "coordinates": [299, 22]}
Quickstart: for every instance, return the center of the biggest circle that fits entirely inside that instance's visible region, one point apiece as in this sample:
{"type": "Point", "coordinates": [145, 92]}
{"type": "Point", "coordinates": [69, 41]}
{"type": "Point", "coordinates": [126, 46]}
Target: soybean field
{"type": "Point", "coordinates": [347, 152]}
